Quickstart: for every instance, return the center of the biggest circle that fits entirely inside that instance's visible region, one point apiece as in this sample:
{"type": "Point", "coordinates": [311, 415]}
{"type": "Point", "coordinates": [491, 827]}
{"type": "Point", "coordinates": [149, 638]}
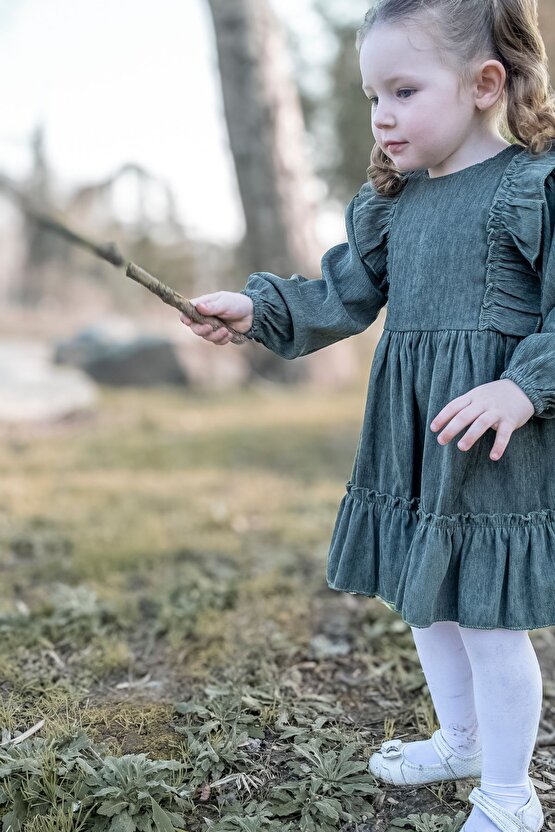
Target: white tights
{"type": "Point", "coordinates": [486, 687]}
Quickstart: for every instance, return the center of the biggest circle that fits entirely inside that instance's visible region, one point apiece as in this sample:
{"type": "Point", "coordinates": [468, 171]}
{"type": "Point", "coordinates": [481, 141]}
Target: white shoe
{"type": "Point", "coordinates": [390, 764]}
{"type": "Point", "coordinates": [529, 818]}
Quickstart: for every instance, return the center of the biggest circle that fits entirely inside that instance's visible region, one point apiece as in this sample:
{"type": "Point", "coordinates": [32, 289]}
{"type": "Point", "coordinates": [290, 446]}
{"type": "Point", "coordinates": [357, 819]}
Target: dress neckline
{"type": "Point", "coordinates": [476, 165]}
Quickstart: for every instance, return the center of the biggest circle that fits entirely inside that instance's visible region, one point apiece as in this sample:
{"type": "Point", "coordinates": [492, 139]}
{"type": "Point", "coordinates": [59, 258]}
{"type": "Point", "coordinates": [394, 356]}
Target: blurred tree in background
{"type": "Point", "coordinates": [267, 138]}
{"type": "Point", "coordinates": [350, 112]}
{"type": "Point", "coordinates": [336, 111]}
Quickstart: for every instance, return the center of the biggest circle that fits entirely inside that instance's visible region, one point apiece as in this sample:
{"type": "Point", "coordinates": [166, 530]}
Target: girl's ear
{"type": "Point", "coordinates": [489, 84]}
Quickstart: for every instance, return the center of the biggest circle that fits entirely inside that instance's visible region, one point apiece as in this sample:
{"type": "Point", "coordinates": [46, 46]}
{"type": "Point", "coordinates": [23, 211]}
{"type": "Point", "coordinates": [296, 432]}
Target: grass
{"type": "Point", "coordinates": [176, 541]}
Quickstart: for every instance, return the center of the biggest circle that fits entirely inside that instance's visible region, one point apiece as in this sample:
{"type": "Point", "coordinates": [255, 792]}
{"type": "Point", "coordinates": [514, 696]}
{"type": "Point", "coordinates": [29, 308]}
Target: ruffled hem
{"type": "Point", "coordinates": [481, 570]}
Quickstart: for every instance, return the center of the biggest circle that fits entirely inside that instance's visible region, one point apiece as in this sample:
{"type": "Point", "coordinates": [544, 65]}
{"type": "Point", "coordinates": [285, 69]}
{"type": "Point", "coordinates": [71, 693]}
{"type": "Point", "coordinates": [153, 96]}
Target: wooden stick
{"type": "Point", "coordinates": [111, 253]}
{"type": "Point", "coordinates": [173, 298]}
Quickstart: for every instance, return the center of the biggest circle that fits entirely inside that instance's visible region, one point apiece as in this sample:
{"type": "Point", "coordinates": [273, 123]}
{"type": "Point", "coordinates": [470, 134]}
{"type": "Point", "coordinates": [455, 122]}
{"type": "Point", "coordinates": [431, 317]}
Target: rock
{"type": "Point", "coordinates": [31, 389]}
{"type": "Point", "coordinates": [209, 367]}
{"type": "Point", "coordinates": [114, 352]}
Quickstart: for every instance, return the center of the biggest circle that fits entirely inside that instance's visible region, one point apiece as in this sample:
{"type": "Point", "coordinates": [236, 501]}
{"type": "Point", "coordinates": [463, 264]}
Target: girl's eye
{"type": "Point", "coordinates": [374, 98]}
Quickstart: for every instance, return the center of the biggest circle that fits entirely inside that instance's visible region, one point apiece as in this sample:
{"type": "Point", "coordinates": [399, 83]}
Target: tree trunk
{"type": "Point", "coordinates": [267, 139]}
{"type": "Point", "coordinates": [45, 254]}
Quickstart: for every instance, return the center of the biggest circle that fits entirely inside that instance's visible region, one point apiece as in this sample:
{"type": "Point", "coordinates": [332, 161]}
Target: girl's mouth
{"type": "Point", "coordinates": [396, 146]}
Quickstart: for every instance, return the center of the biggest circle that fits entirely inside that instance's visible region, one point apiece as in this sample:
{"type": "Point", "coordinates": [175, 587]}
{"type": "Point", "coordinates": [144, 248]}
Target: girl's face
{"type": "Point", "coordinates": [415, 98]}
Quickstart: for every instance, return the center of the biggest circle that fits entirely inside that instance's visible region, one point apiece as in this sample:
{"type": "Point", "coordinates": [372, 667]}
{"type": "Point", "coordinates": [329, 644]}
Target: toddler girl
{"type": "Point", "coordinates": [449, 524]}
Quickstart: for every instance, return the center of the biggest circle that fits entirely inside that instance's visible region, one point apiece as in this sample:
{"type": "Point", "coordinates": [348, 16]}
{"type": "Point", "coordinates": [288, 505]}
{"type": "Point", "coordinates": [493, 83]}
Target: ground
{"type": "Point", "coordinates": [176, 540]}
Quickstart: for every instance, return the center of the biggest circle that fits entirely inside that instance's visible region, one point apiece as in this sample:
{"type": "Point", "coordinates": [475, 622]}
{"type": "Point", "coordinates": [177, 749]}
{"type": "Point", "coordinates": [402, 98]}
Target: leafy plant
{"type": "Point", "coordinates": [37, 774]}
{"type": "Point", "coordinates": [309, 714]}
{"type": "Point", "coordinates": [224, 712]}
{"type": "Point", "coordinates": [253, 817]}
{"type": "Point", "coordinates": [430, 823]}
{"type": "Point", "coordinates": [181, 606]}
{"type": "Point", "coordinates": [217, 733]}
{"type": "Point", "coordinates": [48, 785]}
{"type": "Point", "coordinates": [333, 788]}
{"type": "Point", "coordinates": [117, 794]}
{"type": "Point", "coordinates": [70, 616]}
{"type": "Point", "coordinates": [129, 786]}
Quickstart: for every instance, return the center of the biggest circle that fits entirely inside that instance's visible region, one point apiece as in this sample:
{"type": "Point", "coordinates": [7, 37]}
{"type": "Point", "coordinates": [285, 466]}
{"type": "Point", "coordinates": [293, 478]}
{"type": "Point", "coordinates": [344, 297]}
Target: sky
{"type": "Point", "coordinates": [133, 81]}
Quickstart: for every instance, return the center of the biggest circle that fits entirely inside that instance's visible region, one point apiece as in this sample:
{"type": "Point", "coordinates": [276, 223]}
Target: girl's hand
{"type": "Point", "coordinates": [229, 306]}
{"type": "Point", "coordinates": [501, 405]}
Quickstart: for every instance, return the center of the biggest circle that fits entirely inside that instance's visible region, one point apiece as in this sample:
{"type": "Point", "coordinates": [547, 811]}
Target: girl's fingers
{"type": "Point", "coordinates": [220, 336]}
{"type": "Point", "coordinates": [201, 329]}
{"type": "Point", "coordinates": [215, 336]}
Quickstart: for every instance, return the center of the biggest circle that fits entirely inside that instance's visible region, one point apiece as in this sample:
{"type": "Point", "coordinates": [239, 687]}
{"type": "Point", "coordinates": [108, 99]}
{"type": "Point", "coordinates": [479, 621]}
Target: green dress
{"type": "Point", "coordinates": [465, 265]}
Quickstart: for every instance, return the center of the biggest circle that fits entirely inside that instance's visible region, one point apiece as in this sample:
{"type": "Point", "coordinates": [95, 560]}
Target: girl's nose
{"type": "Point", "coordinates": [382, 118]}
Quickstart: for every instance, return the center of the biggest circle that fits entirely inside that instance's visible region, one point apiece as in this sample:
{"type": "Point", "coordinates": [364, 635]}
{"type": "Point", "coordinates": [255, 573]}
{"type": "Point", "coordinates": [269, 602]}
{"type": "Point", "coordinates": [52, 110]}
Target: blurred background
{"type": "Point", "coordinates": [209, 141]}
{"type": "Point", "coordinates": [166, 504]}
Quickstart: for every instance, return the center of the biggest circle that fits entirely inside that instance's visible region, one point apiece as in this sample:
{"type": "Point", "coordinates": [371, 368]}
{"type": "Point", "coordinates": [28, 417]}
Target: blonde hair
{"type": "Point", "coordinates": [472, 31]}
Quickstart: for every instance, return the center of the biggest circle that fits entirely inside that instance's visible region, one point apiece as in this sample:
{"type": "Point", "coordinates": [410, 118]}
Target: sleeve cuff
{"type": "Point", "coordinates": [255, 332]}
{"type": "Point", "coordinates": [524, 383]}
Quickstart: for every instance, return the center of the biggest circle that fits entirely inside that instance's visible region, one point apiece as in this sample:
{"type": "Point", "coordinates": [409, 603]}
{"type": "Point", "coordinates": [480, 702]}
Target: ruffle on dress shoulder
{"type": "Point", "coordinates": [515, 228]}
{"type": "Point", "coordinates": [372, 218]}
{"type": "Point", "coordinates": [297, 315]}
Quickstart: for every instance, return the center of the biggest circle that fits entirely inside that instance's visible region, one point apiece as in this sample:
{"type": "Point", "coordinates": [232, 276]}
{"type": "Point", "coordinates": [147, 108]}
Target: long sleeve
{"type": "Point", "coordinates": [532, 364]}
{"type": "Point", "coordinates": [296, 316]}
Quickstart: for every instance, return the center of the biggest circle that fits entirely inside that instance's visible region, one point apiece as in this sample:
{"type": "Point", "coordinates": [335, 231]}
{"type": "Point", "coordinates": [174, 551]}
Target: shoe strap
{"type": "Point", "coordinates": [502, 818]}
{"type": "Point", "coordinates": [445, 751]}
